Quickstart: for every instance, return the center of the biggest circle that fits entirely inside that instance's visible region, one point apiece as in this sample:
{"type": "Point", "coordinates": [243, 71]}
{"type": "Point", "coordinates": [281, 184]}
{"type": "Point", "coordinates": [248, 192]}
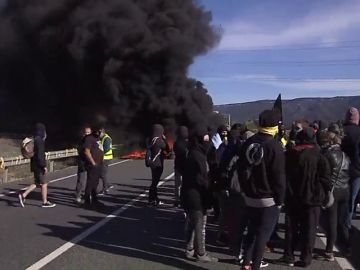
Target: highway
{"type": "Point", "coordinates": [124, 234]}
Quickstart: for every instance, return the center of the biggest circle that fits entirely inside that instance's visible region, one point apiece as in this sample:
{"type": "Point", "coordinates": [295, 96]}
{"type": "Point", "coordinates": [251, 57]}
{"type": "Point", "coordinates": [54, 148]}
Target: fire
{"type": "Point", "coordinates": [170, 142]}
{"type": "Point", "coordinates": [140, 154]}
{"type": "Point", "coordinates": [137, 154]}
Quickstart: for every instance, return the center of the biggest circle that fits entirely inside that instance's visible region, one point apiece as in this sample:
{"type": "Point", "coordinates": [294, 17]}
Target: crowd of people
{"type": "Point", "coordinates": [245, 178]}
{"type": "Point", "coordinates": [95, 153]}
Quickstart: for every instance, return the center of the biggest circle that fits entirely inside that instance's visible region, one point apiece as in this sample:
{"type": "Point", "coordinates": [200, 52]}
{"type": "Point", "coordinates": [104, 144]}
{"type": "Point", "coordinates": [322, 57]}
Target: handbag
{"type": "Point", "coordinates": [329, 201]}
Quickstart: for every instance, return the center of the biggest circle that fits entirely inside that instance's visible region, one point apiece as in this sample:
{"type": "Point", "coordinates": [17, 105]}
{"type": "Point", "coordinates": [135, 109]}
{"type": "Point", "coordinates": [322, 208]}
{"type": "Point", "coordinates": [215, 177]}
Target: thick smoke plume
{"type": "Point", "coordinates": [65, 62]}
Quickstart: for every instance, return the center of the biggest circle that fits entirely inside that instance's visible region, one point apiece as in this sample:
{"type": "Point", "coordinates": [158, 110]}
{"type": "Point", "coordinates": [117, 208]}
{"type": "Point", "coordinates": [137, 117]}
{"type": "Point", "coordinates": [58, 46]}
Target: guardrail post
{"type": "Point", "coordinates": [5, 175]}
{"type": "Point", "coordinates": [51, 169]}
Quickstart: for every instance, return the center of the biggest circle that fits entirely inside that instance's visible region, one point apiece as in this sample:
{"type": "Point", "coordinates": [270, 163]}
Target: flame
{"type": "Point", "coordinates": [171, 142]}
{"type": "Point", "coordinates": [140, 154]}
{"type": "Point", "coordinates": [137, 154]}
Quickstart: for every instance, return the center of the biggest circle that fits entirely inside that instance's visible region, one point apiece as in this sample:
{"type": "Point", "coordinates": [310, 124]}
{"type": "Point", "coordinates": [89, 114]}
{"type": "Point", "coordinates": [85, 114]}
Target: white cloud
{"type": "Point", "coordinates": [339, 85]}
{"type": "Point", "coordinates": [327, 25]}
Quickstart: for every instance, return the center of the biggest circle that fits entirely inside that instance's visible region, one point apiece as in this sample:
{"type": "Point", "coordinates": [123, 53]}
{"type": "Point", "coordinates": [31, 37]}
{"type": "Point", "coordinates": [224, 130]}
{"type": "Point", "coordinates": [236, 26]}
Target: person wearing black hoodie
{"type": "Point", "coordinates": [158, 148]}
{"type": "Point", "coordinates": [308, 180]}
{"type": "Point", "coordinates": [196, 196]}
{"type": "Point", "coordinates": [261, 172]}
{"type": "Point", "coordinates": [181, 151]}
{"type": "Point", "coordinates": [38, 167]}
{"type": "Point", "coordinates": [351, 146]}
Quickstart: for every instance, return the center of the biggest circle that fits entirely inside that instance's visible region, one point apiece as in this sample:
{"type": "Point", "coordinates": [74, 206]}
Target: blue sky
{"type": "Point", "coordinates": [299, 48]}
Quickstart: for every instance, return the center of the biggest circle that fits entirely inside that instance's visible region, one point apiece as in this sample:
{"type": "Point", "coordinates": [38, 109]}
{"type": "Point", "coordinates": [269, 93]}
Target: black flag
{"type": "Point", "coordinates": [278, 107]}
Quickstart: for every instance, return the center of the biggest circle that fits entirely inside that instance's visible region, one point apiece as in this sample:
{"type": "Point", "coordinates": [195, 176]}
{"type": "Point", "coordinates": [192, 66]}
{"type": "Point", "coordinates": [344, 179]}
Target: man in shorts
{"type": "Point", "coordinates": [38, 167]}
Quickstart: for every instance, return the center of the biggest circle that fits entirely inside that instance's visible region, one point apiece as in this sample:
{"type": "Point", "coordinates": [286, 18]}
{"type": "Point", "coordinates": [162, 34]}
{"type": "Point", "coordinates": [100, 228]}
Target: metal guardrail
{"type": "Point", "coordinates": [20, 160]}
{"type": "Point", "coordinates": [6, 163]}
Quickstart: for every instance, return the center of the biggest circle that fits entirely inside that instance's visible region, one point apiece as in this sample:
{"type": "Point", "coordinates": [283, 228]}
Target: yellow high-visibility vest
{"type": "Point", "coordinates": [109, 154]}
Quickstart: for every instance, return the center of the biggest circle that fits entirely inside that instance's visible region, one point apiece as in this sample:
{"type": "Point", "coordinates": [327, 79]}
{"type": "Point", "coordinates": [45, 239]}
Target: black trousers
{"type": "Point", "coordinates": [261, 225]}
{"type": "Point", "coordinates": [301, 223]}
{"type": "Point", "coordinates": [93, 176]}
{"type": "Point", "coordinates": [336, 219]}
{"type": "Point", "coordinates": [155, 175]}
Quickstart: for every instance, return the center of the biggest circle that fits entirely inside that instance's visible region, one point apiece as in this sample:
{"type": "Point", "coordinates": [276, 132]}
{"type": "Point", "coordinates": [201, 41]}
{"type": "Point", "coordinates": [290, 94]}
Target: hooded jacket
{"type": "Point", "coordinates": [350, 145]}
{"type": "Point", "coordinates": [308, 176]}
{"type": "Point", "coordinates": [195, 192]}
{"type": "Point", "coordinates": [38, 161]}
{"type": "Point", "coordinates": [158, 145]}
{"type": "Point", "coordinates": [181, 149]}
{"type": "Point", "coordinates": [266, 184]}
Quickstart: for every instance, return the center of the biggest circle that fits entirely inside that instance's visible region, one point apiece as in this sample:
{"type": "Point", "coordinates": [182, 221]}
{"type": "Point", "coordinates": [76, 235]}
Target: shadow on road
{"type": "Point", "coordinates": [145, 233]}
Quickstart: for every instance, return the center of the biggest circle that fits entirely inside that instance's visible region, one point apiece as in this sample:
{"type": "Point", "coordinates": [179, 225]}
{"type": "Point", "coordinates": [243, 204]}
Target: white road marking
{"type": "Point", "coordinates": [343, 262]}
{"type": "Point", "coordinates": [132, 249]}
{"type": "Point", "coordinates": [60, 179]}
{"type": "Point", "coordinates": [56, 253]}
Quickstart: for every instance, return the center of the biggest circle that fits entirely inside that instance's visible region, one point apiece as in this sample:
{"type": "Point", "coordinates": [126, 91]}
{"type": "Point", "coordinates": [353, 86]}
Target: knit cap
{"type": "Point", "coordinates": [269, 118]}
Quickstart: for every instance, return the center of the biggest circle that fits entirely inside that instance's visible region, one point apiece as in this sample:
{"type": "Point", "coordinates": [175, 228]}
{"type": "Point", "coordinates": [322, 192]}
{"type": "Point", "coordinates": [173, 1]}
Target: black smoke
{"type": "Point", "coordinates": [65, 62]}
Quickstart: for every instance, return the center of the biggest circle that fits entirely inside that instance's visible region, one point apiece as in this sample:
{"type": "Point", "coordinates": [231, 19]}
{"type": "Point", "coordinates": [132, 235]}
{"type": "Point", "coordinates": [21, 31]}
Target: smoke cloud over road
{"type": "Point", "coordinates": [64, 62]}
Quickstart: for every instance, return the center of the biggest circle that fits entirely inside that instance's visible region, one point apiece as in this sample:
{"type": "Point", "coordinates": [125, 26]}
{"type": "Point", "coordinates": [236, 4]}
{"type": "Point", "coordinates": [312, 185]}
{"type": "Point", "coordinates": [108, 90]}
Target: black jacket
{"type": "Point", "coordinates": [159, 147]}
{"type": "Point", "coordinates": [81, 158]}
{"type": "Point", "coordinates": [214, 159]}
{"type": "Point", "coordinates": [181, 151]}
{"type": "Point", "coordinates": [308, 176]}
{"type": "Point", "coordinates": [350, 145]}
{"type": "Point", "coordinates": [266, 180]}
{"type": "Point", "coordinates": [38, 161]}
{"type": "Point", "coordinates": [339, 165]}
{"type": "Point", "coordinates": [195, 192]}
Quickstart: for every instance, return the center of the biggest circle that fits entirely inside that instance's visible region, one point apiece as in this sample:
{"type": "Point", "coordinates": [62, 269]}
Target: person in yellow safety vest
{"type": "Point", "coordinates": [106, 142]}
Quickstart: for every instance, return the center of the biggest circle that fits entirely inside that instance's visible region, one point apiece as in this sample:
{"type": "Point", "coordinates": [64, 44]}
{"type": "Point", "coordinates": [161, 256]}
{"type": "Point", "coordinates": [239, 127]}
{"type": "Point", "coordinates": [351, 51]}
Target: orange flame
{"type": "Point", "coordinates": [137, 154]}
{"type": "Point", "coordinates": [171, 142]}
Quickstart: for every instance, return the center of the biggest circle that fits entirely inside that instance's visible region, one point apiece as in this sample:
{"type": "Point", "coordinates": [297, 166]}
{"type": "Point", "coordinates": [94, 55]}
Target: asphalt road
{"type": "Point", "coordinates": [125, 234]}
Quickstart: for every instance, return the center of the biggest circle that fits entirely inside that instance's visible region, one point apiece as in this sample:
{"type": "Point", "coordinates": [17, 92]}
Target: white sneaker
{"type": "Point", "coordinates": [189, 254]}
{"type": "Point", "coordinates": [21, 200]}
{"type": "Point", "coordinates": [263, 264]}
{"type": "Point", "coordinates": [48, 205]}
{"type": "Point", "coordinates": [206, 258]}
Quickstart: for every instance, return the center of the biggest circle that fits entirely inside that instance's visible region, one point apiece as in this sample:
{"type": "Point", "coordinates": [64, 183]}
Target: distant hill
{"type": "Point", "coordinates": [327, 109]}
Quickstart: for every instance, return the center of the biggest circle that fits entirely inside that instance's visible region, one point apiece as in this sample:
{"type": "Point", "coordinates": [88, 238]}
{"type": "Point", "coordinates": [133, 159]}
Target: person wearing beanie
{"type": "Point", "coordinates": [350, 145]}
{"type": "Point", "coordinates": [158, 147]}
{"type": "Point", "coordinates": [352, 116]}
{"type": "Point", "coordinates": [261, 172]}
{"type": "Point", "coordinates": [196, 196]}
{"type": "Point", "coordinates": [38, 167]}
{"type": "Point", "coordinates": [181, 150]}
{"type": "Point", "coordinates": [308, 180]}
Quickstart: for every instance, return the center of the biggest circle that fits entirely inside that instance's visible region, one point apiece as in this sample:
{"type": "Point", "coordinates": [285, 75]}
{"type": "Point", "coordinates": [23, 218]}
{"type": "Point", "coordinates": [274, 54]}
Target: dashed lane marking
{"type": "Point", "coordinates": [342, 262]}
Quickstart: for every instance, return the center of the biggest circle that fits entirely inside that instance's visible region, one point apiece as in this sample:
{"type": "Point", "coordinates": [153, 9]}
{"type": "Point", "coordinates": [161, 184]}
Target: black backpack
{"type": "Point", "coordinates": [149, 160]}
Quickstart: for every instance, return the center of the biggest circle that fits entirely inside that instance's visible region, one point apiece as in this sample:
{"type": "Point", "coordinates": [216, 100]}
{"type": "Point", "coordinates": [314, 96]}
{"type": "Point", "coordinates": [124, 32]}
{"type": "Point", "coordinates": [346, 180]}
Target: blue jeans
{"type": "Point", "coordinates": [354, 190]}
